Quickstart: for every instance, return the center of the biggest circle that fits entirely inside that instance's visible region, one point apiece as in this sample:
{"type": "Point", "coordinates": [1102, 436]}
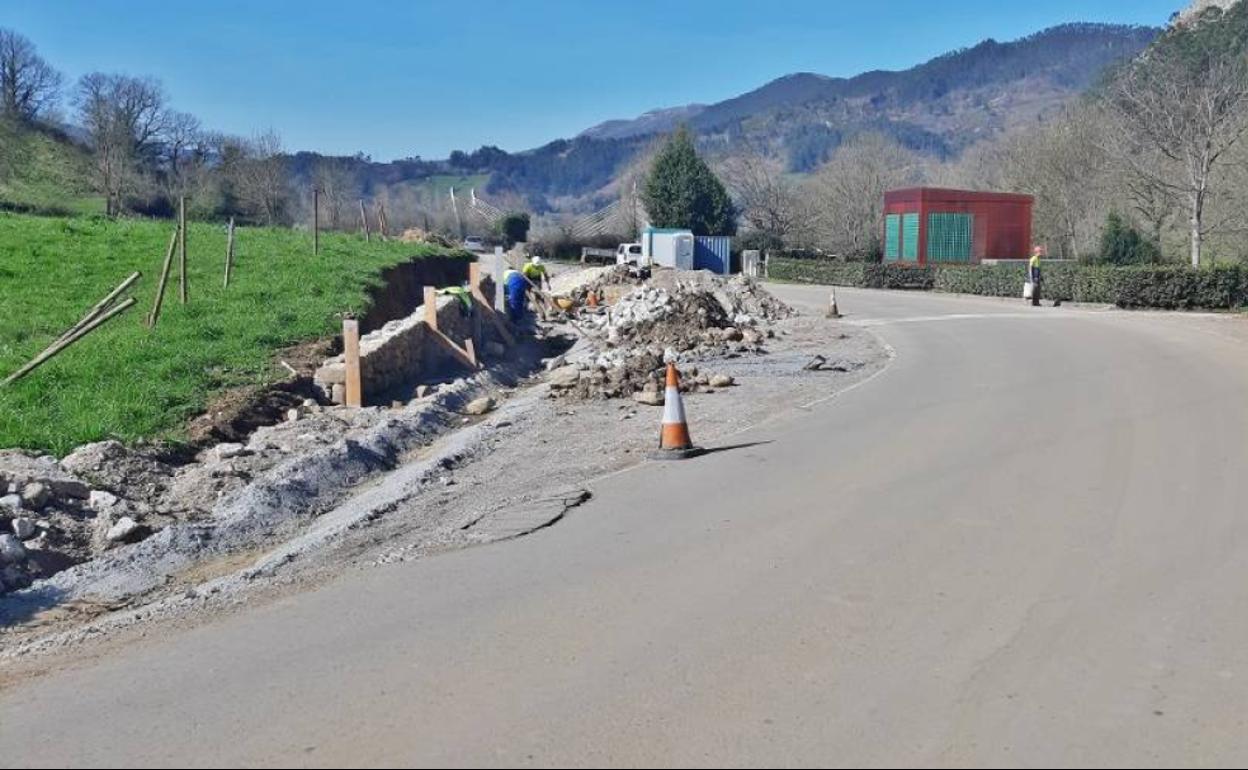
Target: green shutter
{"type": "Point", "coordinates": [892, 237]}
{"type": "Point", "coordinates": [910, 237]}
{"type": "Point", "coordinates": [949, 237]}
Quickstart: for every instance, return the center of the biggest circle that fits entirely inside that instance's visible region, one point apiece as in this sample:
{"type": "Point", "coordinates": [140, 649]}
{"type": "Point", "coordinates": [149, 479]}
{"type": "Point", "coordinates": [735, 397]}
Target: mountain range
{"type": "Point", "coordinates": [939, 107]}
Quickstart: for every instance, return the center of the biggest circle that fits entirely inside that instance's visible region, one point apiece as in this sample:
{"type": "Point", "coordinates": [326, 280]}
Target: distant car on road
{"type": "Point", "coordinates": [474, 243]}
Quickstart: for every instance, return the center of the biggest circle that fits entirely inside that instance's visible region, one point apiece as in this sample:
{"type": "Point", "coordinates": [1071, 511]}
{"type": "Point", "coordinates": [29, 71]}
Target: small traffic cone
{"type": "Point", "coordinates": [833, 310]}
{"type": "Point", "coordinates": [674, 441]}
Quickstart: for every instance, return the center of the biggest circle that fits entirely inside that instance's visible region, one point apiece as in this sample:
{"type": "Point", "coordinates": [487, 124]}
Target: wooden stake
{"type": "Point", "coordinates": [364, 221]}
{"type": "Point", "coordinates": [431, 307]}
{"type": "Point", "coordinates": [229, 252]}
{"type": "Point", "coordinates": [381, 223]}
{"type": "Point", "coordinates": [154, 316]}
{"type": "Point", "coordinates": [316, 221]}
{"type": "Point", "coordinates": [354, 395]}
{"type": "Point", "coordinates": [60, 345]}
{"type": "Point", "coordinates": [101, 306]}
{"type": "Point", "coordinates": [385, 224]}
{"type": "Point", "coordinates": [465, 355]}
{"type": "Point", "coordinates": [182, 249]}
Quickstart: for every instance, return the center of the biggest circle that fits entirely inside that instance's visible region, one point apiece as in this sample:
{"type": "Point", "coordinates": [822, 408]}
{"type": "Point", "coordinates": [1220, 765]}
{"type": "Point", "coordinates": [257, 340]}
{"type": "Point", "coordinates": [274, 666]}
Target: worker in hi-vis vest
{"type": "Point", "coordinates": [1033, 274]}
{"type": "Point", "coordinates": [535, 271]}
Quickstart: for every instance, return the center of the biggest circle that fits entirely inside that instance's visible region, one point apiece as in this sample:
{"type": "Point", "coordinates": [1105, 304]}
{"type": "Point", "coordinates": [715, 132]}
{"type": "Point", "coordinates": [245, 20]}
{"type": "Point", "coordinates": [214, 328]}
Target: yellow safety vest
{"type": "Point", "coordinates": [534, 272]}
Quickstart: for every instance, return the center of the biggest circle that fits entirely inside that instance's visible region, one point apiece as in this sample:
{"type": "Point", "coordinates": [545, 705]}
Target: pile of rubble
{"type": "Point", "coordinates": [671, 315]}
{"type": "Point", "coordinates": [55, 514]}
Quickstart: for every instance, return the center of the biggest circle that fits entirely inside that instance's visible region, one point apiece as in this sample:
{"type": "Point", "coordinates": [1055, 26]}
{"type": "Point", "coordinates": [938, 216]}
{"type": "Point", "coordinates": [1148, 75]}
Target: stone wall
{"type": "Point", "coordinates": [403, 352]}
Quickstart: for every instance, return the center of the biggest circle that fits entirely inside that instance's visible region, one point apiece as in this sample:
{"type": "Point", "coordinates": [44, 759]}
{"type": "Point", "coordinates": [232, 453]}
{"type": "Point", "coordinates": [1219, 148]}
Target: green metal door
{"type": "Point", "coordinates": [949, 237]}
{"type": "Point", "coordinates": [910, 237]}
{"type": "Point", "coordinates": [892, 237]}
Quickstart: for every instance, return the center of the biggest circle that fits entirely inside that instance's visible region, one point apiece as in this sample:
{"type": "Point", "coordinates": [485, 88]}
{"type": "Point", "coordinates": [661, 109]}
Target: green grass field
{"type": "Point", "coordinates": [127, 382]}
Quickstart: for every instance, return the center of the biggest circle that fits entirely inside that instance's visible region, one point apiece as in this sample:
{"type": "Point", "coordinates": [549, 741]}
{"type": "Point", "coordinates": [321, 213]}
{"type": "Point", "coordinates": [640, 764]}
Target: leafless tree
{"type": "Point", "coordinates": [768, 200]}
{"type": "Point", "coordinates": [848, 192]}
{"type": "Point", "coordinates": [262, 178]}
{"type": "Point", "coordinates": [183, 140]}
{"type": "Point", "coordinates": [1192, 111]}
{"type": "Point", "coordinates": [28, 84]}
{"type": "Point", "coordinates": [340, 190]}
{"type": "Point", "coordinates": [124, 116]}
{"type": "Point", "coordinates": [1062, 164]}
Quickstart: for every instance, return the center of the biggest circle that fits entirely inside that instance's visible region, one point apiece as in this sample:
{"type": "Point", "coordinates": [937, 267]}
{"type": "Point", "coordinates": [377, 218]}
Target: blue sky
{"type": "Point", "coordinates": [394, 79]}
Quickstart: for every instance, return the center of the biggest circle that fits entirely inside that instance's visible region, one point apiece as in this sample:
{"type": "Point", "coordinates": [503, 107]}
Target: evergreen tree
{"type": "Point", "coordinates": [682, 191]}
{"type": "Point", "coordinates": [1122, 243]}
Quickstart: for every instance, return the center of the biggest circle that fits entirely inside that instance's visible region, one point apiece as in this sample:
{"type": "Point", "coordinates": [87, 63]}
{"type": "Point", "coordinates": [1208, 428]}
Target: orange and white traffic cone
{"type": "Point", "coordinates": [674, 441]}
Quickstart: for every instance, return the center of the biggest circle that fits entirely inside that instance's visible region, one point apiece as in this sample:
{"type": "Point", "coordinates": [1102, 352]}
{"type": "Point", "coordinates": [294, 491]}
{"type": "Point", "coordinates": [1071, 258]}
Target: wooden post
{"type": "Point", "coordinates": [65, 342]}
{"type": "Point", "coordinates": [364, 221]}
{"type": "Point", "coordinates": [316, 221]}
{"type": "Point", "coordinates": [229, 252]}
{"type": "Point", "coordinates": [101, 306]}
{"type": "Point", "coordinates": [182, 249]}
{"type": "Point", "coordinates": [467, 354]}
{"type": "Point", "coordinates": [381, 214]}
{"type": "Point", "coordinates": [154, 316]}
{"type": "Point", "coordinates": [351, 354]}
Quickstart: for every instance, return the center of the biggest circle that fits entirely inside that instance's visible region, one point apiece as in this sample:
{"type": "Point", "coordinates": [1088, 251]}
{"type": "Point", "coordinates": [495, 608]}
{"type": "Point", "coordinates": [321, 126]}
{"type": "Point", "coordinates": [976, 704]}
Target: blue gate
{"type": "Point", "coordinates": [713, 252]}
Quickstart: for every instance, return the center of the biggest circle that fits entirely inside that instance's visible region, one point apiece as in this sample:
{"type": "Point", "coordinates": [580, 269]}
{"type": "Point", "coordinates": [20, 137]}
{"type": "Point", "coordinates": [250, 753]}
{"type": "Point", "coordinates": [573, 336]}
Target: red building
{"type": "Point", "coordinates": [929, 224]}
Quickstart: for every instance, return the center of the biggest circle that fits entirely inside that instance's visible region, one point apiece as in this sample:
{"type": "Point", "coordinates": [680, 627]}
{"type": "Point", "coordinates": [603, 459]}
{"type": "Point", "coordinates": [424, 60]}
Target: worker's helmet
{"type": "Point", "coordinates": [537, 260]}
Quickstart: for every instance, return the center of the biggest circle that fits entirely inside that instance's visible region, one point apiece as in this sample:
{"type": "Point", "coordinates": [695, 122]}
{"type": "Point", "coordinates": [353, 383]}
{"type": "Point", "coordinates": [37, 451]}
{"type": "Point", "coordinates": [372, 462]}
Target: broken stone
{"type": "Point", "coordinates": [126, 530]}
{"type": "Point", "coordinates": [11, 550]}
{"type": "Point", "coordinates": [721, 381]}
{"type": "Point", "coordinates": [480, 406]}
{"type": "Point", "coordinates": [99, 500]}
{"type": "Point", "coordinates": [565, 377]}
{"type": "Point", "coordinates": [649, 397]}
{"type": "Point", "coordinates": [423, 390]}
{"type": "Point", "coordinates": [338, 393]}
{"type": "Point", "coordinates": [24, 528]}
{"type": "Point", "coordinates": [556, 363]}
{"type": "Point", "coordinates": [730, 334]}
{"type": "Point", "coordinates": [293, 415]}
{"type": "Point", "coordinates": [36, 495]}
{"type": "Point", "coordinates": [11, 504]}
{"type": "Point", "coordinates": [228, 450]}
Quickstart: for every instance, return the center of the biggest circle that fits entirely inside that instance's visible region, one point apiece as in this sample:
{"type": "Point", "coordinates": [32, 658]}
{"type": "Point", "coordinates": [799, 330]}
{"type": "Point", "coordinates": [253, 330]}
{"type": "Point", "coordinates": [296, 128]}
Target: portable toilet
{"type": "Point", "coordinates": [666, 247]}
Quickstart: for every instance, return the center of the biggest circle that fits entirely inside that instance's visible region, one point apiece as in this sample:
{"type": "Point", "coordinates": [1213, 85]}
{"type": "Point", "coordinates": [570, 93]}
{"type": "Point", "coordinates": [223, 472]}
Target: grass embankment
{"type": "Point", "coordinates": [128, 382]}
{"type": "Point", "coordinates": [44, 173]}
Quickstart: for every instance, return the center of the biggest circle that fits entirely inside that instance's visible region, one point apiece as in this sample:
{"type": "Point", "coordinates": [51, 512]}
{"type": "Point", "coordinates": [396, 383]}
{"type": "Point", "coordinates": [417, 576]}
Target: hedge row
{"type": "Point", "coordinates": [1167, 287]}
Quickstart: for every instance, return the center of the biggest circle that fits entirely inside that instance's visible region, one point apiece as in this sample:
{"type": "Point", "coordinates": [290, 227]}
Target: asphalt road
{"type": "Point", "coordinates": [1024, 543]}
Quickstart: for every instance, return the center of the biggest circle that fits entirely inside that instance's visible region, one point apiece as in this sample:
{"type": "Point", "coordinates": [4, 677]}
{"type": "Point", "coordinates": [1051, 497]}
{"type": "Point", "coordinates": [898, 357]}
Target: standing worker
{"type": "Point", "coordinates": [515, 288]}
{"type": "Point", "coordinates": [1033, 274]}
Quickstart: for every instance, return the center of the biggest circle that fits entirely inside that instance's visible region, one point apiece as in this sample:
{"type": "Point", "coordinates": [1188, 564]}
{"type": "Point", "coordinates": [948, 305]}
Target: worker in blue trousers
{"type": "Point", "coordinates": [515, 288]}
